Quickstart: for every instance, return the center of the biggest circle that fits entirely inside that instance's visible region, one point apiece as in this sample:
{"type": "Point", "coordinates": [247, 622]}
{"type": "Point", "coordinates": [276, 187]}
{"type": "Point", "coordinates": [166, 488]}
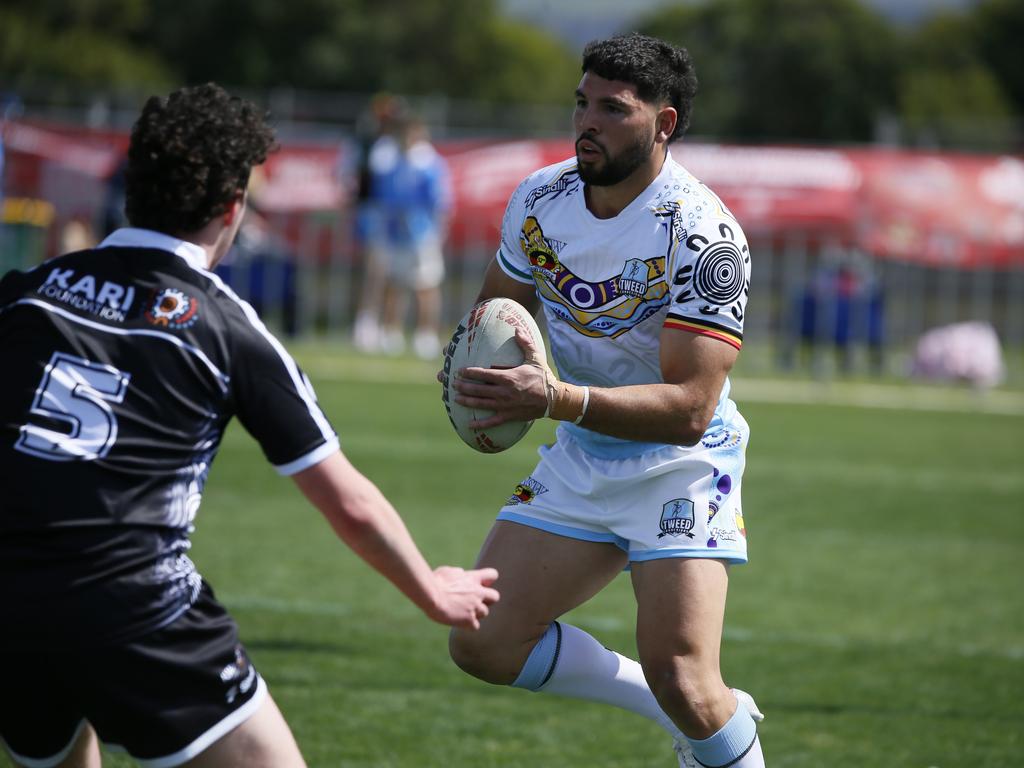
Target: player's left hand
{"type": "Point", "coordinates": [463, 597]}
{"type": "Point", "coordinates": [514, 394]}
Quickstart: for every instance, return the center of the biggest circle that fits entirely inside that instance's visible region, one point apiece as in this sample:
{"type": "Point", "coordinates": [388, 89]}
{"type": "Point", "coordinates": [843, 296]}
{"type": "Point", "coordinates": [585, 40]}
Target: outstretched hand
{"type": "Point", "coordinates": [521, 393]}
{"type": "Point", "coordinates": [463, 596]}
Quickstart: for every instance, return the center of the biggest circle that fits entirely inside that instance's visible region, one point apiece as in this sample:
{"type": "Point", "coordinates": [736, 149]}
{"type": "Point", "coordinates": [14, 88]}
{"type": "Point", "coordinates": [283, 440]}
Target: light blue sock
{"type": "Point", "coordinates": [541, 661]}
{"type": "Point", "coordinates": [730, 744]}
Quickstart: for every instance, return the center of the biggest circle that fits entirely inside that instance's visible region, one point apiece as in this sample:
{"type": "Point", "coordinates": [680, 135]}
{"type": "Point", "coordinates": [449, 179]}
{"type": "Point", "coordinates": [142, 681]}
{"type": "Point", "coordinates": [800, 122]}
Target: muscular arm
{"type": "Point", "coordinates": [364, 519]}
{"type": "Point", "coordinates": [676, 412]}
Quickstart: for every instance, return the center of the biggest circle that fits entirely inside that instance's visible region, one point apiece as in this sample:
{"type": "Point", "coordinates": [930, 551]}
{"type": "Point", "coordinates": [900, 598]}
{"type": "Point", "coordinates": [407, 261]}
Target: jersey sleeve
{"type": "Point", "coordinates": [511, 257]}
{"type": "Point", "coordinates": [274, 400]}
{"type": "Point", "coordinates": [711, 280]}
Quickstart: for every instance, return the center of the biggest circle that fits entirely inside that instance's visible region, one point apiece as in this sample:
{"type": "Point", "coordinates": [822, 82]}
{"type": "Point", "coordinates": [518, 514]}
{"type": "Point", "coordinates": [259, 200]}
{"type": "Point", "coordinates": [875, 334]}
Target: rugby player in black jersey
{"type": "Point", "coordinates": [123, 365]}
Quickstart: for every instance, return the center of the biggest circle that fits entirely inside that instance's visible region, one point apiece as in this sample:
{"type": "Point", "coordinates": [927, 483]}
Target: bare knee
{"type": "Point", "coordinates": [691, 692]}
{"type": "Point", "coordinates": [487, 656]}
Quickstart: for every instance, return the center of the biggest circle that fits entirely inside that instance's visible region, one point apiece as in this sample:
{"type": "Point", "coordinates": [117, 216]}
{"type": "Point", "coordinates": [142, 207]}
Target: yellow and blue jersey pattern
{"type": "Point", "coordinates": [673, 258]}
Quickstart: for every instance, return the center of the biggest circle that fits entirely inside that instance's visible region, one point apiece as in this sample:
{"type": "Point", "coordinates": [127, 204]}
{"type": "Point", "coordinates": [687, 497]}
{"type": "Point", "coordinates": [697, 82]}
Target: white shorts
{"type": "Point", "coordinates": [668, 502]}
{"type": "Point", "coordinates": [413, 265]}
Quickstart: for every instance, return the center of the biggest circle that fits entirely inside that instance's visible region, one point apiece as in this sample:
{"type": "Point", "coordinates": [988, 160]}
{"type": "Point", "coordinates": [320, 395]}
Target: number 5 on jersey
{"type": "Point", "coordinates": [73, 402]}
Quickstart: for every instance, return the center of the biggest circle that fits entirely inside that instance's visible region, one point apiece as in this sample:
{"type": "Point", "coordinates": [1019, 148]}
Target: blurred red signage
{"type": "Point", "coordinates": [942, 208]}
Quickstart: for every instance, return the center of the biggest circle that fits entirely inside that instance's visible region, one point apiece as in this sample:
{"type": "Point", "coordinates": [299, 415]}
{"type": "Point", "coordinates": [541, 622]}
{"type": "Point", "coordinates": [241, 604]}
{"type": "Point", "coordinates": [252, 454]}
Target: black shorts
{"type": "Point", "coordinates": [163, 697]}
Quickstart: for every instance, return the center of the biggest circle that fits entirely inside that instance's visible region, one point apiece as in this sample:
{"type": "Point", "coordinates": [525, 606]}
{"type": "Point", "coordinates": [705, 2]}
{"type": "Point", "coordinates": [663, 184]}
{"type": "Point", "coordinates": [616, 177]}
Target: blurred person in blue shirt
{"type": "Point", "coordinates": [410, 200]}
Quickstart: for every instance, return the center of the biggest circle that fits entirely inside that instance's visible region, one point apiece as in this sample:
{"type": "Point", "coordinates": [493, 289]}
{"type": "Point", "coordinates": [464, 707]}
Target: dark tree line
{"type": "Point", "coordinates": [770, 70]}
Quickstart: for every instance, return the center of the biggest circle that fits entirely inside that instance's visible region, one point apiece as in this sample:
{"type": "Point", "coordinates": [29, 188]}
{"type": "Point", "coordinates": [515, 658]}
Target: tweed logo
{"type": "Point", "coordinates": [634, 279]}
{"type": "Point", "coordinates": [677, 518]}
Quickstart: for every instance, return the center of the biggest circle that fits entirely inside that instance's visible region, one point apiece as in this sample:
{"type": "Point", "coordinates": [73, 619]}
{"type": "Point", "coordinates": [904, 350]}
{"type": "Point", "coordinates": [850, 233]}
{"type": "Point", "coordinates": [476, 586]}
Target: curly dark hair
{"type": "Point", "coordinates": [662, 73]}
{"type": "Point", "coordinates": [190, 157]}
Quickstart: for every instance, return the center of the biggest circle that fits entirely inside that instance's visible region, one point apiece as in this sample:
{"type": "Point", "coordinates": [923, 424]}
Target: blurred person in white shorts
{"type": "Point", "coordinates": [410, 193]}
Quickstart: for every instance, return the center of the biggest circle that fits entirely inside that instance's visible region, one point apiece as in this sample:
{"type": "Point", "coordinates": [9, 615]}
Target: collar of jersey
{"type": "Point", "coordinates": [130, 237]}
{"type": "Point", "coordinates": [637, 203]}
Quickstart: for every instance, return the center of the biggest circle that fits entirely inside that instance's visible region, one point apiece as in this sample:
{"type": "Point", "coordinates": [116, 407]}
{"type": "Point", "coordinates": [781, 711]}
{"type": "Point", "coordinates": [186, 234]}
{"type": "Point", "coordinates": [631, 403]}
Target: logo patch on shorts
{"type": "Point", "coordinates": [677, 518]}
{"type": "Point", "coordinates": [526, 492]}
{"type": "Point", "coordinates": [239, 675]}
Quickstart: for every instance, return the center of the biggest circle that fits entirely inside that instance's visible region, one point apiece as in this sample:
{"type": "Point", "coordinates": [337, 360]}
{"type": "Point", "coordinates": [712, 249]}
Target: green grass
{"type": "Point", "coordinates": [880, 621]}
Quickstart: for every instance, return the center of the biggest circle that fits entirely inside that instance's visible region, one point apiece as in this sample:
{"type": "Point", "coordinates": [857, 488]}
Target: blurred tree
{"type": "Point", "coordinates": [452, 47]}
{"type": "Point", "coordinates": [949, 95]}
{"type": "Point", "coordinates": [999, 36]}
{"type": "Point", "coordinates": [460, 48]}
{"type": "Point", "coordinates": [785, 70]}
{"type": "Point", "coordinates": [82, 43]}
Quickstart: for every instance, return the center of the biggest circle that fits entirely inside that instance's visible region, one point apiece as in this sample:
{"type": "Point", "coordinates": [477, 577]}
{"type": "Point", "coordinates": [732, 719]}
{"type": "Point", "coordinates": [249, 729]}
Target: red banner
{"type": "Point", "coordinates": [936, 208]}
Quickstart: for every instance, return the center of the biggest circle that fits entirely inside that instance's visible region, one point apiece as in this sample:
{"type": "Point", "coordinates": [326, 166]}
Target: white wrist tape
{"type": "Point", "coordinates": [586, 403]}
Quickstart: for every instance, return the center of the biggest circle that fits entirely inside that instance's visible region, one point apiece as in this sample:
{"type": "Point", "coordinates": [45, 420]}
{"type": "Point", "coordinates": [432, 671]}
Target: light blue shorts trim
{"type": "Point", "coordinates": [566, 530]}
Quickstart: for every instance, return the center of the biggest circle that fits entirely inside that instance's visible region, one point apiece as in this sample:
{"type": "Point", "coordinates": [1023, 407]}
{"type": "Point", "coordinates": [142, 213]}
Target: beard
{"type": "Point", "coordinates": [617, 168]}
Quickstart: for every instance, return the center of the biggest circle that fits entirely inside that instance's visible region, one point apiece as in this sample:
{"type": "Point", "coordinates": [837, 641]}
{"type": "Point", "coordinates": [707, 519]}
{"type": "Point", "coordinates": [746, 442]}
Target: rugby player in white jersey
{"type": "Point", "coordinates": [642, 274]}
{"type": "Point", "coordinates": [123, 365]}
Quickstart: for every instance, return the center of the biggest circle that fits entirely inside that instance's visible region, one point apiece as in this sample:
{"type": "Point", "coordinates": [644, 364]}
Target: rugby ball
{"type": "Point", "coordinates": [485, 338]}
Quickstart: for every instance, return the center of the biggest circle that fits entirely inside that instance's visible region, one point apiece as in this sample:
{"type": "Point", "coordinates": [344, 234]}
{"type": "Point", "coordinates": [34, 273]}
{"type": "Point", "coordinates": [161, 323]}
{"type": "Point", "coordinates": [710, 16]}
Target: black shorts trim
{"type": "Point", "coordinates": [45, 762]}
{"type": "Point", "coordinates": [207, 739]}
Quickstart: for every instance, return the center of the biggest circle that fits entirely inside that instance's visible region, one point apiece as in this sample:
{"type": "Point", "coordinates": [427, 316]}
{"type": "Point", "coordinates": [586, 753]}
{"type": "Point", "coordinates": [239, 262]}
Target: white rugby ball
{"type": "Point", "coordinates": [485, 338]}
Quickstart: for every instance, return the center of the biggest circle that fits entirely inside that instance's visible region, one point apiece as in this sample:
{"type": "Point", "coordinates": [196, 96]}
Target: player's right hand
{"type": "Point", "coordinates": [463, 596]}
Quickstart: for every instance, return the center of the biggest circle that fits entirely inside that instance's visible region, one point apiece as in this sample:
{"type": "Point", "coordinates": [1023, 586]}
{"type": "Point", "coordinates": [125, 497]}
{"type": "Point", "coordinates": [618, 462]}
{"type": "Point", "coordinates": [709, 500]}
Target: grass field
{"type": "Point", "coordinates": [880, 621]}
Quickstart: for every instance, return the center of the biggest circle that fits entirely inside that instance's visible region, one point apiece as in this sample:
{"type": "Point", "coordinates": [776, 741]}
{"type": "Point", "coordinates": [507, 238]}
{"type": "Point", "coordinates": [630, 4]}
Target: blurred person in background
{"type": "Point", "coordinates": [124, 366]}
{"type": "Point", "coordinates": [375, 136]}
{"type": "Point", "coordinates": [410, 195]}
{"type": "Point", "coordinates": [260, 265]}
{"type": "Point", "coordinates": [111, 214]}
{"type": "Point", "coordinates": [643, 276]}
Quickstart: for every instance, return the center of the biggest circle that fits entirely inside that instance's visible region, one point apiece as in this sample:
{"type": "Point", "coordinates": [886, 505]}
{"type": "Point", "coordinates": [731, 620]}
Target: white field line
{"type": "Point", "coordinates": [755, 390]}
{"type": "Point", "coordinates": [731, 633]}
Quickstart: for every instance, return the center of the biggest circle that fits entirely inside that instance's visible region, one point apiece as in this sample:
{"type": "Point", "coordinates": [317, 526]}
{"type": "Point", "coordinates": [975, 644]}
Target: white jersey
{"type": "Point", "coordinates": [675, 257]}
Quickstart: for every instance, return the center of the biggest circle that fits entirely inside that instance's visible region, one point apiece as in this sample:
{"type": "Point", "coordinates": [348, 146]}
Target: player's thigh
{"type": "Point", "coordinates": [542, 575]}
{"type": "Point", "coordinates": [262, 741]}
{"type": "Point", "coordinates": [680, 611]}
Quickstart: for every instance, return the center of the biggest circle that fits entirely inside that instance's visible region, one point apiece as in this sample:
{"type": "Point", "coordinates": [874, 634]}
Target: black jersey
{"type": "Point", "coordinates": [122, 367]}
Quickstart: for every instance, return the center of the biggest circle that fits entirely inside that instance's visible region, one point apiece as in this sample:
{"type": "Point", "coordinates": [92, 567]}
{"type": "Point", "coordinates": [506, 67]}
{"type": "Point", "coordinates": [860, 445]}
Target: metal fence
{"type": "Point", "coordinates": [818, 306]}
{"type": "Point", "coordinates": [815, 306]}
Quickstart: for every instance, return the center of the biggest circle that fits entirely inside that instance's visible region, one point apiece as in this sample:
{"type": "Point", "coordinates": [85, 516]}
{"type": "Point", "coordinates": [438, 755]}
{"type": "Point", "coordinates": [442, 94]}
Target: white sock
{"type": "Point", "coordinates": [569, 662]}
{"type": "Point", "coordinates": [735, 744]}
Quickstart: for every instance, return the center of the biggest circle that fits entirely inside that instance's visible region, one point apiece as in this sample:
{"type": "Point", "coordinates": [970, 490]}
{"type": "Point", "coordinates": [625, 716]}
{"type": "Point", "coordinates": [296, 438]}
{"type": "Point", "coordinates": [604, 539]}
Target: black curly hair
{"type": "Point", "coordinates": [190, 157]}
{"type": "Point", "coordinates": [662, 73]}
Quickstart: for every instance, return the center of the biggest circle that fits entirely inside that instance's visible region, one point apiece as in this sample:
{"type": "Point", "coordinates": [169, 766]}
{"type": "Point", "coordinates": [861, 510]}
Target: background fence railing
{"type": "Point", "coordinates": [816, 306]}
